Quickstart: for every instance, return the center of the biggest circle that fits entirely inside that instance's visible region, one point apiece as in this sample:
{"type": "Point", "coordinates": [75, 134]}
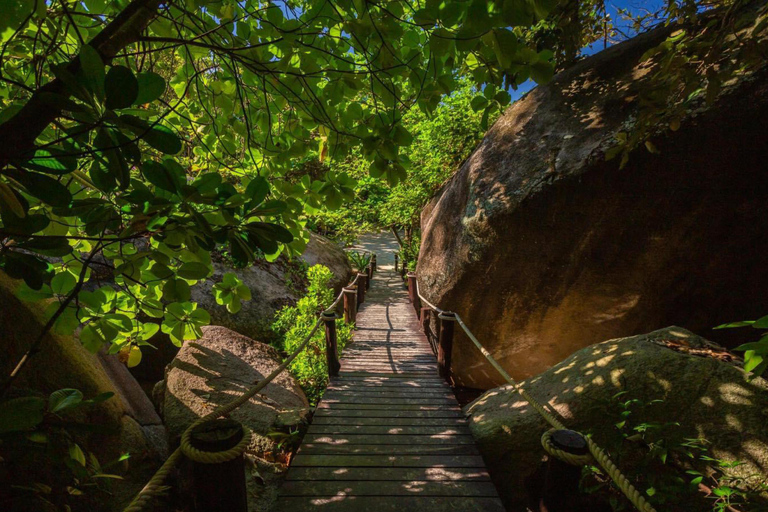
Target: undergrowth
{"type": "Point", "coordinates": [674, 469]}
{"type": "Point", "coordinates": [293, 323]}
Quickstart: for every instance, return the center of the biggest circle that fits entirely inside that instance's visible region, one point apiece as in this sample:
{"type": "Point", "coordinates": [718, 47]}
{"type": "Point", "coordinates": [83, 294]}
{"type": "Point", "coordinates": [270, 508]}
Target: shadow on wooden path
{"type": "Point", "coordinates": [388, 434]}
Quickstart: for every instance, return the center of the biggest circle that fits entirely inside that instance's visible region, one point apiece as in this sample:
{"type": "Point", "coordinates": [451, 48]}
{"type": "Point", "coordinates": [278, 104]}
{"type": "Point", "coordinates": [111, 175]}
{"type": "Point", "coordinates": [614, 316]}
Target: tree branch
{"type": "Point", "coordinates": [18, 134]}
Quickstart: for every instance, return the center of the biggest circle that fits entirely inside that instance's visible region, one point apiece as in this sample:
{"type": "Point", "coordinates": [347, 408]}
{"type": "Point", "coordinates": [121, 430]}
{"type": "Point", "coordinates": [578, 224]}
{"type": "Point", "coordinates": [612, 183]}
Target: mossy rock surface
{"type": "Point", "coordinates": [709, 398]}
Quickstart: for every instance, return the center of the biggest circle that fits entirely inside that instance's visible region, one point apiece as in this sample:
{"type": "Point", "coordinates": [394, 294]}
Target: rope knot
{"type": "Point", "coordinates": [568, 446]}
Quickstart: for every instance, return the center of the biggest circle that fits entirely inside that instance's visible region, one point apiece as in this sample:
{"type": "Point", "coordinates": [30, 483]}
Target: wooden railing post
{"type": "Point", "coordinates": [373, 262]}
{"type": "Point", "coordinates": [413, 292]}
{"type": "Point", "coordinates": [424, 315]}
{"type": "Point", "coordinates": [557, 490]}
{"type": "Point", "coordinates": [331, 352]}
{"type": "Point", "coordinates": [369, 271]}
{"type": "Point", "coordinates": [445, 343]}
{"type": "Point", "coordinates": [218, 486]}
{"type": "Point", "coordinates": [362, 285]}
{"type": "Point", "coordinates": [396, 257]}
{"type": "Point", "coordinates": [350, 304]}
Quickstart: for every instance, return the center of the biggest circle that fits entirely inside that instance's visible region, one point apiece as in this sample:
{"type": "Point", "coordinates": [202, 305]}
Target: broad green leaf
{"type": "Point", "coordinates": [194, 270]}
{"type": "Point", "coordinates": [63, 283]}
{"type": "Point", "coordinates": [121, 88]}
{"type": "Point", "coordinates": [64, 399]}
{"type": "Point", "coordinates": [92, 68]}
{"type": "Point", "coordinates": [151, 86]}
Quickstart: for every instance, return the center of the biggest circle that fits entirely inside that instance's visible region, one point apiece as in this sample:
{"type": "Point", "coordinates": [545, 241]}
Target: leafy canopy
{"type": "Point", "coordinates": [137, 137]}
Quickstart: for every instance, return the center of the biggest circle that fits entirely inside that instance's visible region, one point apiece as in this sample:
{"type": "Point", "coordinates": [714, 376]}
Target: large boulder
{"type": "Point", "coordinates": [544, 247]}
{"type": "Point", "coordinates": [126, 423]}
{"type": "Point", "coordinates": [708, 397]}
{"type": "Point", "coordinates": [219, 367]}
{"type": "Point", "coordinates": [273, 285]}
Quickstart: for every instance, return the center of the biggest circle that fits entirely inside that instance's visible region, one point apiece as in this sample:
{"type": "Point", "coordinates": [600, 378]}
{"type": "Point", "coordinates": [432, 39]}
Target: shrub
{"type": "Point", "coordinates": [294, 323]}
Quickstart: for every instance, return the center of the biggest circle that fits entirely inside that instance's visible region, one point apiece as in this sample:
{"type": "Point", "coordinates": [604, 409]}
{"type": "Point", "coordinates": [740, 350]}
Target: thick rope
{"type": "Point", "coordinates": [637, 499]}
{"type": "Point", "coordinates": [573, 459]}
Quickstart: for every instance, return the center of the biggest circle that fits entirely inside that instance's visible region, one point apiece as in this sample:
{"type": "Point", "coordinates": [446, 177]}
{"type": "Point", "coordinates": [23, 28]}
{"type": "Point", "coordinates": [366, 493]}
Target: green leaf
{"type": "Point", "coordinates": [151, 86]}
{"type": "Point", "coordinates": [761, 323]}
{"type": "Point", "coordinates": [165, 177]}
{"type": "Point", "coordinates": [163, 139]}
{"type": "Point", "coordinates": [176, 290]}
{"type": "Point", "coordinates": [45, 188]}
{"type": "Point", "coordinates": [121, 88]}
{"type": "Point", "coordinates": [64, 399]}
{"type": "Point", "coordinates": [63, 283]}
{"type": "Point", "coordinates": [93, 71]}
{"type": "Point", "coordinates": [194, 270]}
{"type": "Point", "coordinates": [51, 161]}
{"type": "Point", "coordinates": [76, 454]}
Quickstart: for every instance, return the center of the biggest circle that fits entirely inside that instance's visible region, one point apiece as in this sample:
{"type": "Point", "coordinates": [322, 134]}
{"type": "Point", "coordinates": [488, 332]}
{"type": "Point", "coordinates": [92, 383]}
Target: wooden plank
{"type": "Point", "coordinates": [393, 461]}
{"type": "Point", "coordinates": [389, 393]}
{"type": "Point", "coordinates": [371, 400]}
{"type": "Point", "coordinates": [339, 406]}
{"type": "Point", "coordinates": [419, 488]}
{"type": "Point", "coordinates": [386, 421]}
{"type": "Point", "coordinates": [379, 474]}
{"type": "Point", "coordinates": [387, 413]}
{"type": "Point", "coordinates": [314, 437]}
{"type": "Point", "coordinates": [391, 504]}
{"type": "Point", "coordinates": [390, 430]}
{"type": "Point", "coordinates": [386, 449]}
{"type": "Point", "coordinates": [402, 375]}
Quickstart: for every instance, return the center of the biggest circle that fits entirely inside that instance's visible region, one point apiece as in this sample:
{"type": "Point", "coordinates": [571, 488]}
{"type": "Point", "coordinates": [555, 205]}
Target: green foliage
{"type": "Point", "coordinates": [359, 260]}
{"type": "Point", "coordinates": [294, 323]}
{"type": "Point", "coordinates": [45, 466]}
{"type": "Point", "coordinates": [438, 143]}
{"type": "Point", "coordinates": [230, 292]}
{"type": "Point", "coordinates": [755, 353]}
{"type": "Point", "coordinates": [136, 145]}
{"type": "Point", "coordinates": [673, 467]}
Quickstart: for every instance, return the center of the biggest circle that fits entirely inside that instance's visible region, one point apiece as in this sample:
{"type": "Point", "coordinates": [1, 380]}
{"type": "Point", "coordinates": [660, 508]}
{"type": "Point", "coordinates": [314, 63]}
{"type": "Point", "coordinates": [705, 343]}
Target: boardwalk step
{"type": "Point", "coordinates": [391, 504]}
{"type": "Point", "coordinates": [418, 488]}
{"type": "Point", "coordinates": [433, 474]}
{"type": "Point", "coordinates": [394, 461]}
{"type": "Point", "coordinates": [351, 439]}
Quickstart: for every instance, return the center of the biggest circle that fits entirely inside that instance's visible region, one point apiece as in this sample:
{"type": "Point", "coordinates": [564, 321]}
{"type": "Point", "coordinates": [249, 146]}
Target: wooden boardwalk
{"type": "Point", "coordinates": [388, 434]}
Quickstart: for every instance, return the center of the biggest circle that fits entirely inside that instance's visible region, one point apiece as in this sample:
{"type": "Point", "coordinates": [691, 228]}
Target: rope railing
{"type": "Point", "coordinates": [554, 419]}
{"type": "Point", "coordinates": [155, 485]}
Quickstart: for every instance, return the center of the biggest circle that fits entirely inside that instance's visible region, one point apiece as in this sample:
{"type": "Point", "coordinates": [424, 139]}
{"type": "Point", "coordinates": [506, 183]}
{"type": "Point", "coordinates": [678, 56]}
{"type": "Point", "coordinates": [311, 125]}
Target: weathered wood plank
{"type": "Point", "coordinates": [418, 488]}
{"type": "Point", "coordinates": [391, 504]}
{"type": "Point", "coordinates": [387, 413]}
{"type": "Point", "coordinates": [387, 439]}
{"type": "Point", "coordinates": [387, 407]}
{"type": "Point", "coordinates": [387, 449]}
{"type": "Point", "coordinates": [393, 461]}
{"type": "Point", "coordinates": [387, 421]}
{"type": "Point", "coordinates": [371, 400]}
{"type": "Point", "coordinates": [395, 474]}
{"type": "Point", "coordinates": [390, 430]}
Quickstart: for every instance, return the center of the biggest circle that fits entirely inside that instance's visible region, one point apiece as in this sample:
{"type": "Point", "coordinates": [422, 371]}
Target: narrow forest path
{"type": "Point", "coordinates": [388, 434]}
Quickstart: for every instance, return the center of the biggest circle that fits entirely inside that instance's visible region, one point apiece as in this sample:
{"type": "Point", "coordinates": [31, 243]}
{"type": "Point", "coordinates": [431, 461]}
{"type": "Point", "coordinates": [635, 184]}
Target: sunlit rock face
{"type": "Point", "coordinates": [544, 247]}
{"type": "Point", "coordinates": [710, 399]}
